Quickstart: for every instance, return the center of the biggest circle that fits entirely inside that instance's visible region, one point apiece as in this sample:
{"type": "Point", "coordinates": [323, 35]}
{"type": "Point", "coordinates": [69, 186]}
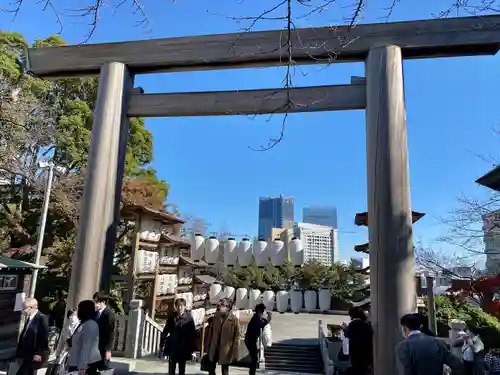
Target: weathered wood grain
{"type": "Point", "coordinates": [418, 39]}
{"type": "Point", "coordinates": [390, 231]}
{"type": "Point", "coordinates": [250, 102]}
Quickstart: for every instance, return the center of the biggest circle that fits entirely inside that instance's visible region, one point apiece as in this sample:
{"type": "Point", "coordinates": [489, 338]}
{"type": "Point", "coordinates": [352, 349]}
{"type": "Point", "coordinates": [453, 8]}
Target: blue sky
{"type": "Point", "coordinates": [451, 110]}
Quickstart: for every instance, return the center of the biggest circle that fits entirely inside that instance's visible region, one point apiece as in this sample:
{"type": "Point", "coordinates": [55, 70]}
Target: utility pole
{"type": "Point", "coordinates": [41, 229]}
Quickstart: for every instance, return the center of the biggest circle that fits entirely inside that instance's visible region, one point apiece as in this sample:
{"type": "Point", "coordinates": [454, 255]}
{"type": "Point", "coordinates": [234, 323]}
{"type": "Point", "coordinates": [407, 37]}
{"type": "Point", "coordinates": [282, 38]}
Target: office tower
{"type": "Point", "coordinates": [319, 242]}
{"type": "Point", "coordinates": [275, 213]}
{"type": "Point", "coordinates": [321, 215]}
{"type": "Point", "coordinates": [491, 229]}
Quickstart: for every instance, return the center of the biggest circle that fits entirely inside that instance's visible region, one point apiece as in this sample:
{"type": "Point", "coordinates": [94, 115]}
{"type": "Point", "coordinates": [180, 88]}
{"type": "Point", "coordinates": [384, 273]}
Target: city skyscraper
{"type": "Point", "coordinates": [320, 215]}
{"type": "Point", "coordinates": [277, 212]}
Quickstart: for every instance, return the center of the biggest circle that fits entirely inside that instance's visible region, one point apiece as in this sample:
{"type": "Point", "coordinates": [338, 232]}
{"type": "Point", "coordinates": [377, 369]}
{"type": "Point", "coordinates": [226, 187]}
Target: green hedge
{"type": "Point", "coordinates": [488, 325]}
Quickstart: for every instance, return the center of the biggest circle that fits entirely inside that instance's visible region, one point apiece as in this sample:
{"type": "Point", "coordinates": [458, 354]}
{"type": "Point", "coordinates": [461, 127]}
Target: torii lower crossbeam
{"type": "Point", "coordinates": [383, 46]}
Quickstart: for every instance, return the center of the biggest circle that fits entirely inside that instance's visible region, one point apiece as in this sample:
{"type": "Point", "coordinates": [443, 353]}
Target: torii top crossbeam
{"type": "Point", "coordinates": [465, 36]}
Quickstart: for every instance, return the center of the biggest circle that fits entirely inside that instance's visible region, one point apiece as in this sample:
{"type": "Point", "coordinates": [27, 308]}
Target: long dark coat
{"type": "Point", "coordinates": [179, 336]}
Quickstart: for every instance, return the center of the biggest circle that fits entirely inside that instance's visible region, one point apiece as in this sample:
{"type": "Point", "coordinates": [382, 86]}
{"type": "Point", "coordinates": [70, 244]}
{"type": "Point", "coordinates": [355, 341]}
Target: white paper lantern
{"type": "Point", "coordinates": [197, 247]}
{"type": "Point", "coordinates": [278, 252]}
{"type": "Point", "coordinates": [296, 252]}
{"type": "Point", "coordinates": [268, 299]}
{"type": "Point", "coordinates": [261, 252]}
{"type": "Point", "coordinates": [230, 252]}
{"type": "Point", "coordinates": [310, 300]}
{"type": "Point", "coordinates": [150, 230]}
{"type": "Point", "coordinates": [325, 299]}
{"type": "Point", "coordinates": [215, 293]}
{"type": "Point", "coordinates": [245, 252]}
{"type": "Point", "coordinates": [241, 298]}
{"type": "Point", "coordinates": [282, 301]}
{"type": "Point", "coordinates": [254, 298]}
{"type": "Point", "coordinates": [296, 301]}
{"type": "Point", "coordinates": [228, 292]}
{"type": "Point", "coordinates": [211, 250]}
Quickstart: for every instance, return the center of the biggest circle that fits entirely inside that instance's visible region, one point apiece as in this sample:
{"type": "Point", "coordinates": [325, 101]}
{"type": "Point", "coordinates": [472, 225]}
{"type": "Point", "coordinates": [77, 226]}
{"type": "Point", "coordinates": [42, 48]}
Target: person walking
{"type": "Point", "coordinates": [83, 354]}
{"type": "Point", "coordinates": [33, 345]}
{"type": "Point", "coordinates": [56, 316]}
{"type": "Point", "coordinates": [259, 320]}
{"type": "Point", "coordinates": [223, 337]}
{"type": "Point", "coordinates": [492, 360]}
{"type": "Point", "coordinates": [360, 335]}
{"type": "Point", "coordinates": [472, 351]}
{"type": "Point", "coordinates": [420, 354]}
{"type": "Point", "coordinates": [106, 321]}
{"type": "Point", "coordinates": [178, 337]}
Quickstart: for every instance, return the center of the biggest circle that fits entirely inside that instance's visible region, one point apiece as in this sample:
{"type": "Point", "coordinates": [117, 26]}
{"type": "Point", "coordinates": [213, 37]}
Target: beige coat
{"type": "Point", "coordinates": [229, 331]}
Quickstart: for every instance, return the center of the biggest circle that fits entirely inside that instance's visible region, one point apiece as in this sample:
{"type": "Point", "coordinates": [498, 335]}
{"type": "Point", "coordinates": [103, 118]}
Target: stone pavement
{"type": "Point", "coordinates": [300, 329]}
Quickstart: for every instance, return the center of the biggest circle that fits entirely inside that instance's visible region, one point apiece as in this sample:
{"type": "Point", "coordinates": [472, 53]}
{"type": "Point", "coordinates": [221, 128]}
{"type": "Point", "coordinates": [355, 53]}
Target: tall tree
{"type": "Point", "coordinates": [52, 120]}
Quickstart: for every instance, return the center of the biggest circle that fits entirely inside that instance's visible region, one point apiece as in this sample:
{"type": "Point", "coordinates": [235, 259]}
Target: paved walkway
{"type": "Point", "coordinates": [300, 329]}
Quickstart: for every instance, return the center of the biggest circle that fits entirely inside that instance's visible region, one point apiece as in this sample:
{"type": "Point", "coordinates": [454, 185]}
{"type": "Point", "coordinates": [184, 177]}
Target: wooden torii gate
{"type": "Point", "coordinates": [381, 46]}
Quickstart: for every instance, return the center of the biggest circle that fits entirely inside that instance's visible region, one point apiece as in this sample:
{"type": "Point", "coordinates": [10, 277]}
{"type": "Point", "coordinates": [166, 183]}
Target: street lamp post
{"type": "Point", "coordinates": [43, 221]}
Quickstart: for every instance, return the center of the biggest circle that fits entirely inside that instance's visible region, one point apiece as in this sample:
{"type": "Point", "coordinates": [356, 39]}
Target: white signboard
{"type": "Point", "coordinates": [20, 297]}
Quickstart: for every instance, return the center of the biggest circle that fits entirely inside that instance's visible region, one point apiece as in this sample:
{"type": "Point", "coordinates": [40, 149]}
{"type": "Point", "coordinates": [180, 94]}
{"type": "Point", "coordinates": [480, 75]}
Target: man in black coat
{"type": "Point", "coordinates": [33, 345]}
{"type": "Point", "coordinates": [178, 337]}
{"type": "Point", "coordinates": [259, 320]}
{"type": "Point", "coordinates": [106, 321]}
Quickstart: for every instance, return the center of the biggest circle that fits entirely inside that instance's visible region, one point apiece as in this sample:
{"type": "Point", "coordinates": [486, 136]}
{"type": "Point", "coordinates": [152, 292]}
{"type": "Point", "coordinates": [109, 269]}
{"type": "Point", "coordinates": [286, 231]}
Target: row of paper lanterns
{"type": "Point", "coordinates": [244, 252]}
{"type": "Point", "coordinates": [245, 298]}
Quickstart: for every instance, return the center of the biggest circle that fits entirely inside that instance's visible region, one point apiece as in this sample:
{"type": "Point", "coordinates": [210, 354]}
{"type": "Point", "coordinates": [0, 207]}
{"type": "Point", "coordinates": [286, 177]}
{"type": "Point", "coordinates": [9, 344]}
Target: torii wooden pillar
{"type": "Point", "coordinates": [382, 46]}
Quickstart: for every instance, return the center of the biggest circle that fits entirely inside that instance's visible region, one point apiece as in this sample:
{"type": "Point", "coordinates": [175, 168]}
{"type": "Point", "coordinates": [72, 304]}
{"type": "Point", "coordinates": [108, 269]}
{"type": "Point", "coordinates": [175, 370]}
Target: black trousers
{"type": "Point", "coordinates": [253, 352]}
{"type": "Point", "coordinates": [468, 367]}
{"type": "Point", "coordinates": [103, 363]}
{"type": "Point", "coordinates": [26, 368]}
{"type": "Point", "coordinates": [172, 364]}
{"type": "Point", "coordinates": [223, 368]}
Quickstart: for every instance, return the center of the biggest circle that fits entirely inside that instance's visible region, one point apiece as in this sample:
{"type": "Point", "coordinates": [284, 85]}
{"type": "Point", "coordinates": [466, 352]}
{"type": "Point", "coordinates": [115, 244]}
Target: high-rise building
{"type": "Point", "coordinates": [491, 229]}
{"type": "Point", "coordinates": [275, 213]}
{"type": "Point", "coordinates": [321, 215]}
{"type": "Point", "coordinates": [319, 242]}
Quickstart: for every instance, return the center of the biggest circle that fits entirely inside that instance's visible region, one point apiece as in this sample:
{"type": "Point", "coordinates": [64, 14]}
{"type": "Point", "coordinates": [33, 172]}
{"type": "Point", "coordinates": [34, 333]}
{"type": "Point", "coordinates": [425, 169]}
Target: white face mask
{"type": "Point", "coordinates": [73, 319]}
{"type": "Point", "coordinates": [223, 309]}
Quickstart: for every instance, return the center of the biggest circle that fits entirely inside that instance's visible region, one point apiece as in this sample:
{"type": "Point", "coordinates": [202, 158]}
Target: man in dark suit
{"type": "Point", "coordinates": [33, 345]}
{"type": "Point", "coordinates": [106, 321]}
{"type": "Point", "coordinates": [420, 354]}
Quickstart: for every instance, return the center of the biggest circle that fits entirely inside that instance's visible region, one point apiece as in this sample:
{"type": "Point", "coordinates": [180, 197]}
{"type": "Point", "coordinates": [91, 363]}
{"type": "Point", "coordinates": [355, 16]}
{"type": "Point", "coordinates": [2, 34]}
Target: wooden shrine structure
{"type": "Point", "coordinates": [158, 250]}
{"type": "Point", "coordinates": [381, 46]}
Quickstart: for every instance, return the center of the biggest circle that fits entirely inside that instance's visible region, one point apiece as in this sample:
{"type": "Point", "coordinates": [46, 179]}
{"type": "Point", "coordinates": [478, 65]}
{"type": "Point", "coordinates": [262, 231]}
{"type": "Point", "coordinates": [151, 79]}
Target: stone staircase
{"type": "Point", "coordinates": [304, 359]}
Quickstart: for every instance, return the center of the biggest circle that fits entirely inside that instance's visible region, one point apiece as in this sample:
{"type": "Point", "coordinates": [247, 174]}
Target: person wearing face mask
{"type": "Point", "coordinates": [472, 351]}
{"type": "Point", "coordinates": [33, 345]}
{"type": "Point", "coordinates": [420, 354]}
{"type": "Point", "coordinates": [179, 337]}
{"type": "Point", "coordinates": [222, 338]}
{"type": "Point", "coordinates": [106, 322]}
{"type": "Point", "coordinates": [83, 353]}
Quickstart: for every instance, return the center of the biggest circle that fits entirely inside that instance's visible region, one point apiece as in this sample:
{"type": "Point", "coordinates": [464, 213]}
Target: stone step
{"type": "Point", "coordinates": [285, 347]}
{"type": "Point", "coordinates": [294, 358]}
{"type": "Point", "coordinates": [294, 367]}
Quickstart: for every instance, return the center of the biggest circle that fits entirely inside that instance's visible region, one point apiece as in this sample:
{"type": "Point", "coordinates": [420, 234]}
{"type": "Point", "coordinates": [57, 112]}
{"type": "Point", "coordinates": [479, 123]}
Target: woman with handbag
{"type": "Point", "coordinates": [178, 337]}
{"type": "Point", "coordinates": [84, 355]}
